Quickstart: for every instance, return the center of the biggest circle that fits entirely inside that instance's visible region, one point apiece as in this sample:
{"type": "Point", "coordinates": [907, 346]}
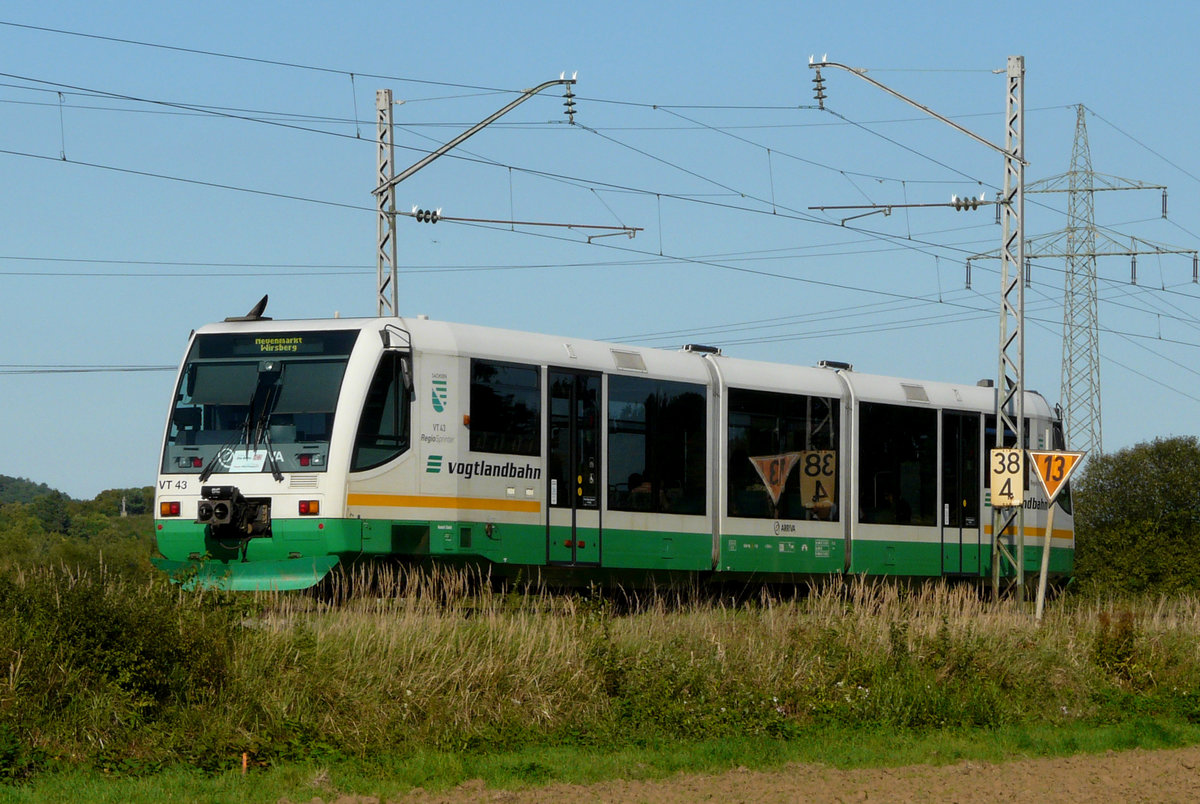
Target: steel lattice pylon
{"type": "Point", "coordinates": [1079, 245]}
{"type": "Point", "coordinates": [1081, 322]}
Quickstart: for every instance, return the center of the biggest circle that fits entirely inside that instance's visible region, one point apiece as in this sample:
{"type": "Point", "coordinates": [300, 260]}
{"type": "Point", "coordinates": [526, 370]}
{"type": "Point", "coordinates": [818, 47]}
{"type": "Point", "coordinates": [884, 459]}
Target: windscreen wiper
{"type": "Point", "coordinates": [243, 434]}
{"type": "Point", "coordinates": [263, 429]}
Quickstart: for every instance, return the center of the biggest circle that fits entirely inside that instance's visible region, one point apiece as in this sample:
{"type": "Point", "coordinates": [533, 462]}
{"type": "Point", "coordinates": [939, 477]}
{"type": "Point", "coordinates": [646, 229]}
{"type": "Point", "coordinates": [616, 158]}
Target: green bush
{"type": "Point", "coordinates": [130, 676]}
{"type": "Point", "coordinates": [1137, 519]}
{"type": "Point", "coordinates": [96, 661]}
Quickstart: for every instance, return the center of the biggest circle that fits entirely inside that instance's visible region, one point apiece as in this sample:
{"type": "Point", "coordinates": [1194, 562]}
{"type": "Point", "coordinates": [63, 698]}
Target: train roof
{"type": "Point", "coordinates": [682, 365]}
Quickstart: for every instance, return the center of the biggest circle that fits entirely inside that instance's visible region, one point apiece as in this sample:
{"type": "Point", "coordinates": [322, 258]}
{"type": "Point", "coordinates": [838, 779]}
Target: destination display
{"type": "Point", "coordinates": [276, 344]}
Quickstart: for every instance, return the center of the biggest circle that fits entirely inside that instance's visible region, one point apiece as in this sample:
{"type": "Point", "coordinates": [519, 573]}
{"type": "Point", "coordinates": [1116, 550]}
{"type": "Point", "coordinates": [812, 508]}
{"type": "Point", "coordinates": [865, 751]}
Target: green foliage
{"type": "Point", "coordinates": [95, 661]}
{"type": "Point", "coordinates": [1137, 520]}
{"type": "Point", "coordinates": [19, 489]}
{"type": "Point", "coordinates": [52, 529]}
{"type": "Point", "coordinates": [136, 501]}
{"type": "Point", "coordinates": [51, 510]}
{"type": "Point", "coordinates": [18, 759]}
{"type": "Point", "coordinates": [131, 677]}
{"type": "Point", "coordinates": [1114, 650]}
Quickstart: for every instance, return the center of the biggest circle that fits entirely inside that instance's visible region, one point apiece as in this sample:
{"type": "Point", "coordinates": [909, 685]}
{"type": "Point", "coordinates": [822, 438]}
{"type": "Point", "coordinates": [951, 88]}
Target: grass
{"type": "Point", "coordinates": [430, 679]}
{"type": "Point", "coordinates": [394, 776]}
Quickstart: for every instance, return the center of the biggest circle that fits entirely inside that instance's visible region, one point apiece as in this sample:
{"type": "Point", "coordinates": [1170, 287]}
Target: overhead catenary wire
{"type": "Point", "coordinates": [659, 196]}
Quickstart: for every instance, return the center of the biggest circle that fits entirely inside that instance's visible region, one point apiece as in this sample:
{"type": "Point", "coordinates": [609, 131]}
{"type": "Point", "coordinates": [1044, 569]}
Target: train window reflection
{"type": "Point", "coordinates": [897, 471]}
{"type": "Point", "coordinates": [506, 408]}
{"type": "Point", "coordinates": [801, 432]}
{"type": "Point", "coordinates": [656, 446]}
{"type": "Point", "coordinates": [383, 430]}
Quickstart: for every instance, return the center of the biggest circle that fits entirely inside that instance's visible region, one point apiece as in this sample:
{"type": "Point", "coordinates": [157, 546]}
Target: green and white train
{"type": "Point", "coordinates": [294, 446]}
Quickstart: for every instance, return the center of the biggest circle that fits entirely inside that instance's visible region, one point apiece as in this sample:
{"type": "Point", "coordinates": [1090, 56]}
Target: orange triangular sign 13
{"type": "Point", "coordinates": [1054, 468]}
{"type": "Point", "coordinates": [774, 471]}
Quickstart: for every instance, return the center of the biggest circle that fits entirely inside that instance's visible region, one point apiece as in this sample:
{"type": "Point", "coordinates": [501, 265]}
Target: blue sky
{"type": "Point", "coordinates": [695, 125]}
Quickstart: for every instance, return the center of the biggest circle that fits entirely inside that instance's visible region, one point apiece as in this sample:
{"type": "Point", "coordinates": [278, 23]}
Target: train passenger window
{"type": "Point", "coordinates": [766, 425]}
{"type": "Point", "coordinates": [506, 408]}
{"type": "Point", "coordinates": [383, 427]}
{"type": "Point", "coordinates": [656, 446]}
{"type": "Point", "coordinates": [898, 464]}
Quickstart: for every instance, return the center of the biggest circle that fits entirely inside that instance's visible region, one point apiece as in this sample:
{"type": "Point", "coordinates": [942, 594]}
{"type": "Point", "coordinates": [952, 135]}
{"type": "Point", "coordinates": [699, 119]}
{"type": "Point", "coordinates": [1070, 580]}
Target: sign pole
{"type": "Point", "coordinates": [1052, 469]}
{"type": "Point", "coordinates": [1045, 571]}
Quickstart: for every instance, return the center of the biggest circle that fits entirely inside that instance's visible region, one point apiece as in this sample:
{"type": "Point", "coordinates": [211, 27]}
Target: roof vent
{"type": "Point", "coordinates": [986, 383]}
{"type": "Point", "coordinates": [701, 348]}
{"type": "Point", "coordinates": [914, 393]}
{"type": "Point", "coordinates": [630, 361]}
{"type": "Point", "coordinates": [837, 365]}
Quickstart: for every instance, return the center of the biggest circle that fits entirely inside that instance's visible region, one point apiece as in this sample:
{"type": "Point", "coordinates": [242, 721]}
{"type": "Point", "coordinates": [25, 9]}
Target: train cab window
{"type": "Point", "coordinates": [898, 464]}
{"type": "Point", "coordinates": [275, 394]}
{"type": "Point", "coordinates": [794, 435]}
{"type": "Point", "coordinates": [656, 446]}
{"type": "Point", "coordinates": [1060, 443]}
{"type": "Point", "coordinates": [383, 428]}
{"type": "Point", "coordinates": [506, 408]}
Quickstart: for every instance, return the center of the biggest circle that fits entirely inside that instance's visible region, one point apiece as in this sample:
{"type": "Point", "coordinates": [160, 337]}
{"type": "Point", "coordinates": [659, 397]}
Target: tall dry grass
{"type": "Point", "coordinates": [403, 660]}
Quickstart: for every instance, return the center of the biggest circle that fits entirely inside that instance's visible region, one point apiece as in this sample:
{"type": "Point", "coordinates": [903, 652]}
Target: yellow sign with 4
{"type": "Point", "coordinates": [1007, 472]}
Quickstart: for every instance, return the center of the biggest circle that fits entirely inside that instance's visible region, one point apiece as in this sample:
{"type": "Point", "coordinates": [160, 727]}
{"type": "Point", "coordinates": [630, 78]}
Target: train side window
{"type": "Point", "coordinates": [506, 408]}
{"type": "Point", "coordinates": [763, 424]}
{"type": "Point", "coordinates": [898, 464]}
{"type": "Point", "coordinates": [383, 428]}
{"type": "Point", "coordinates": [657, 452]}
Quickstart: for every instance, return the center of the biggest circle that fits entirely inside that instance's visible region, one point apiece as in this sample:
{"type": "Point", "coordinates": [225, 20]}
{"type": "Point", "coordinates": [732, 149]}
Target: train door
{"type": "Point", "coordinates": [573, 479]}
{"type": "Point", "coordinates": [962, 483]}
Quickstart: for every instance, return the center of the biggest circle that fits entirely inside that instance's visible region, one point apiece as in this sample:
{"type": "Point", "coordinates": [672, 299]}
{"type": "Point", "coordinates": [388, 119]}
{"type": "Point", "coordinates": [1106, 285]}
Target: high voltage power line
{"type": "Point", "coordinates": [894, 241]}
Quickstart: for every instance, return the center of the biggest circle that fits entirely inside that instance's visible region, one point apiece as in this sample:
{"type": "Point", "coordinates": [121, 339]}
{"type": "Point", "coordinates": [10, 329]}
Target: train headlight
{"type": "Point", "coordinates": [310, 507]}
{"type": "Point", "coordinates": [168, 509]}
{"type": "Point", "coordinates": [222, 512]}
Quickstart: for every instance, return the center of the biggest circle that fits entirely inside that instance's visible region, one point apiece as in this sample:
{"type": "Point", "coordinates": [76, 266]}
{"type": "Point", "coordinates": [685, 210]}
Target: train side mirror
{"type": "Point", "coordinates": [406, 373]}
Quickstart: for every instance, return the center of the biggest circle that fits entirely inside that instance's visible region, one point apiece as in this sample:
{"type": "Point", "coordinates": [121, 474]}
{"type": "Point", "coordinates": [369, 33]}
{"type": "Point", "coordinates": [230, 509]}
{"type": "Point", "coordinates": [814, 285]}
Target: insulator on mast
{"type": "Point", "coordinates": [1164, 202]}
{"type": "Point", "coordinates": [968, 275]}
{"type": "Point", "coordinates": [1133, 269]}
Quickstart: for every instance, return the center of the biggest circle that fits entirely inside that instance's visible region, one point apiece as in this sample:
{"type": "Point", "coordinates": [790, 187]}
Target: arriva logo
{"type": "Point", "coordinates": [434, 465]}
{"type": "Point", "coordinates": [440, 394]}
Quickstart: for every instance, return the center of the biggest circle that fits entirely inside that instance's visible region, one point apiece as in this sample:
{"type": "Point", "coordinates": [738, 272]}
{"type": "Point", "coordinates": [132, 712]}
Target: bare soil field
{"type": "Point", "coordinates": [1129, 776]}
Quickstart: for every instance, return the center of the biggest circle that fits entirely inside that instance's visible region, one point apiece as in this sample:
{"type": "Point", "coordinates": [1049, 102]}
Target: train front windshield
{"type": "Point", "coordinates": [257, 402]}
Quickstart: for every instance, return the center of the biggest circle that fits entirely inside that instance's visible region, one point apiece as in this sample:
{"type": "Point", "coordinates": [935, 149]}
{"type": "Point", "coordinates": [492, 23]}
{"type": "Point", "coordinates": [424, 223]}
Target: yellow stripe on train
{"type": "Point", "coordinates": [455, 503]}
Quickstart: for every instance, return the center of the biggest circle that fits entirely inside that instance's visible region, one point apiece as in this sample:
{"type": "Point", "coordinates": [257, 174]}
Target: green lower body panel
{"type": "Point", "coordinates": [896, 558]}
{"type": "Point", "coordinates": [300, 552]}
{"type": "Point", "coordinates": [791, 555]}
{"type": "Point", "coordinates": [931, 559]}
{"type": "Point", "coordinates": [249, 576]}
{"type": "Point", "coordinates": [657, 550]}
{"type": "Point", "coordinates": [297, 554]}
